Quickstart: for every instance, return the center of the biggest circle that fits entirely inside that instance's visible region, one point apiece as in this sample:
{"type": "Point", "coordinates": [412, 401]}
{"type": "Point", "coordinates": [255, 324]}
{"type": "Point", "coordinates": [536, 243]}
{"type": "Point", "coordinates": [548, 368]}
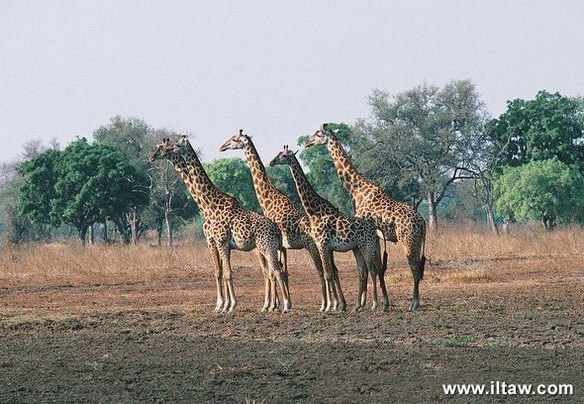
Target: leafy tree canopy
{"type": "Point", "coordinates": [232, 176]}
{"type": "Point", "coordinates": [321, 170]}
{"type": "Point", "coordinates": [546, 190]}
{"type": "Point", "coordinates": [548, 126]}
{"type": "Point", "coordinates": [82, 185]}
{"type": "Point", "coordinates": [37, 190]}
{"type": "Point", "coordinates": [130, 136]}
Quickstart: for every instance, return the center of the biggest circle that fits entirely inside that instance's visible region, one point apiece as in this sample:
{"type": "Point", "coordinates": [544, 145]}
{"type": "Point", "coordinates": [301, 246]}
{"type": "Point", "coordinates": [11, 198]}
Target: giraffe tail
{"type": "Point", "coordinates": [384, 264]}
{"type": "Point", "coordinates": [422, 264]}
{"type": "Point", "coordinates": [283, 258]}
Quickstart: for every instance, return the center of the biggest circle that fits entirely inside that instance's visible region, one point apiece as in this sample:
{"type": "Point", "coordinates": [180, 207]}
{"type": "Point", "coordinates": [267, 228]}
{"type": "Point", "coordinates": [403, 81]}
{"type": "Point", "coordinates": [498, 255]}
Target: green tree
{"type": "Point", "coordinates": [321, 170]}
{"type": "Point", "coordinates": [169, 205]}
{"type": "Point", "coordinates": [545, 190]}
{"type": "Point", "coordinates": [548, 126]}
{"type": "Point", "coordinates": [37, 190]}
{"type": "Point", "coordinates": [431, 134]}
{"type": "Point", "coordinates": [82, 185]}
{"type": "Point", "coordinates": [232, 176]}
{"type": "Point", "coordinates": [134, 139]}
{"type": "Point", "coordinates": [15, 227]}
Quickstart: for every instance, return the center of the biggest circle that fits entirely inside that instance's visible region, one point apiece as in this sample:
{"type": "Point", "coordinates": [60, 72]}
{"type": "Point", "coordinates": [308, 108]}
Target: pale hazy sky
{"type": "Point", "coordinates": [277, 69]}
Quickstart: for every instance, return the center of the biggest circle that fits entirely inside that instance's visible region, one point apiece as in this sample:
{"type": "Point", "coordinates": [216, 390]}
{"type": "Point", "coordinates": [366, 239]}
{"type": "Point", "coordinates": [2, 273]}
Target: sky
{"type": "Point", "coordinates": [277, 69]}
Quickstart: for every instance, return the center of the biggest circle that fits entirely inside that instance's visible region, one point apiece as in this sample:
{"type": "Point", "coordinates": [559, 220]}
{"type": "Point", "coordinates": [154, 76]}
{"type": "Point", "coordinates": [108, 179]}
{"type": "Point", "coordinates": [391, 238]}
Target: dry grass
{"type": "Point", "coordinates": [34, 264]}
{"type": "Point", "coordinates": [461, 242]}
{"type": "Point", "coordinates": [455, 255]}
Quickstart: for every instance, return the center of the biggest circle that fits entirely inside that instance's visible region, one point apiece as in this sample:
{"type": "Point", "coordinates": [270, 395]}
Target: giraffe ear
{"type": "Point", "coordinates": [296, 152]}
{"type": "Point", "coordinates": [336, 131]}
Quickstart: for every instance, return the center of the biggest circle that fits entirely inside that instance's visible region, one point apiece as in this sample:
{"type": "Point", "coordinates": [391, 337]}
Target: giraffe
{"type": "Point", "coordinates": [228, 226]}
{"type": "Point", "coordinates": [398, 222]}
{"type": "Point", "coordinates": [333, 231]}
{"type": "Point", "coordinates": [292, 221]}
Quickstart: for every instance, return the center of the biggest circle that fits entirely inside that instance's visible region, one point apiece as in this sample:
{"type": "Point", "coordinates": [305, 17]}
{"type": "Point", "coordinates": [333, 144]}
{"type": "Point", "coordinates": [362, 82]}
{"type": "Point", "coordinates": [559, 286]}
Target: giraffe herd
{"type": "Point", "coordinates": [318, 226]}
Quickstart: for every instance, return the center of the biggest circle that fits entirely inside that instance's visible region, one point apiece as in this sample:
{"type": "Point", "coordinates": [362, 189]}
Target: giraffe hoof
{"type": "Point", "coordinates": [287, 306]}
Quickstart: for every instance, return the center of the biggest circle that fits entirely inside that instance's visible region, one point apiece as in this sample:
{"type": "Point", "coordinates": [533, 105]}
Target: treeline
{"type": "Point", "coordinates": [435, 148]}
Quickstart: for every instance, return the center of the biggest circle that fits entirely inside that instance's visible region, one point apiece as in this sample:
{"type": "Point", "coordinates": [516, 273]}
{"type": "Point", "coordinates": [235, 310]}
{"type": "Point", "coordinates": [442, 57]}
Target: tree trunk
{"type": "Point", "coordinates": [104, 235]}
{"type": "Point", "coordinates": [82, 234]}
{"type": "Point", "coordinates": [91, 235]}
{"type": "Point", "coordinates": [491, 220]}
{"type": "Point", "coordinates": [121, 226]}
{"type": "Point", "coordinates": [167, 211]}
{"type": "Point", "coordinates": [432, 216]}
{"type": "Point", "coordinates": [134, 226]}
{"type": "Point", "coordinates": [169, 232]}
{"type": "Point", "coordinates": [548, 221]}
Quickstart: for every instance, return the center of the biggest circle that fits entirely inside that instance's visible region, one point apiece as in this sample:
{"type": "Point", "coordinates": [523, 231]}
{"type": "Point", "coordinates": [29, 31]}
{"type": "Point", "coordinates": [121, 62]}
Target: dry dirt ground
{"type": "Point", "coordinates": [514, 319]}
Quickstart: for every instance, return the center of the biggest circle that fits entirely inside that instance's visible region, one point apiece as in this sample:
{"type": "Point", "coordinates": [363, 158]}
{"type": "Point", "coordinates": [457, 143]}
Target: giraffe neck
{"type": "Point", "coordinates": [266, 191]}
{"type": "Point", "coordinates": [312, 202]}
{"type": "Point", "coordinates": [207, 196]}
{"type": "Point", "coordinates": [346, 171]}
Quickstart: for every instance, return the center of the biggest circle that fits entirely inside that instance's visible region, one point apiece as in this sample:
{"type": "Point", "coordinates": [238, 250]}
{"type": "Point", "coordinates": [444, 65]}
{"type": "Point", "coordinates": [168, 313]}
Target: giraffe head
{"type": "Point", "coordinates": [238, 141]}
{"type": "Point", "coordinates": [168, 149]}
{"type": "Point", "coordinates": [321, 136]}
{"type": "Point", "coordinates": [284, 156]}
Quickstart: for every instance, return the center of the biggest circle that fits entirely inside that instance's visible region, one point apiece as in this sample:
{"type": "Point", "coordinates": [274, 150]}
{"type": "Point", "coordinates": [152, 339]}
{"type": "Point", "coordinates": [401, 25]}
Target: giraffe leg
{"type": "Point", "coordinates": [281, 277]}
{"type": "Point", "coordinates": [283, 260]}
{"type": "Point", "coordinates": [275, 301]}
{"type": "Point", "coordinates": [362, 295]}
{"type": "Point", "coordinates": [331, 285]}
{"type": "Point", "coordinates": [381, 276]}
{"type": "Point", "coordinates": [231, 301]}
{"type": "Point", "coordinates": [340, 295]}
{"type": "Point", "coordinates": [318, 265]}
{"type": "Point", "coordinates": [334, 295]}
{"type": "Point", "coordinates": [416, 268]}
{"type": "Point", "coordinates": [267, 282]}
{"type": "Point", "coordinates": [375, 267]}
{"type": "Point", "coordinates": [373, 271]}
{"type": "Point", "coordinates": [218, 277]}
